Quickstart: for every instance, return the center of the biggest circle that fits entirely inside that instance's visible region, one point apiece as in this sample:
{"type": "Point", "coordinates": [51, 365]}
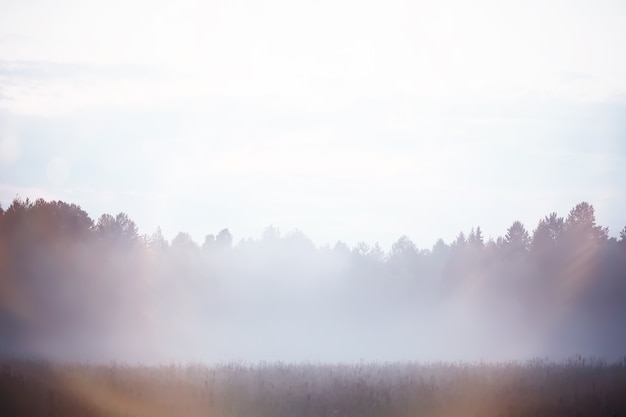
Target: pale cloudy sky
{"type": "Point", "coordinates": [351, 120]}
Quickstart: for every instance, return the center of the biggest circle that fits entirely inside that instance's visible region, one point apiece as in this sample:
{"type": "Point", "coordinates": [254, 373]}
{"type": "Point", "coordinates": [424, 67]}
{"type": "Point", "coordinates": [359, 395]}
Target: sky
{"type": "Point", "coordinates": [349, 120]}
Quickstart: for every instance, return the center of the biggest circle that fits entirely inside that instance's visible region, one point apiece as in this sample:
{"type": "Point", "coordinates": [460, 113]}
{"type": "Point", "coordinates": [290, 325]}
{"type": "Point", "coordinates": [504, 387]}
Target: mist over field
{"type": "Point", "coordinates": [98, 291]}
{"type": "Point", "coordinates": [312, 181]}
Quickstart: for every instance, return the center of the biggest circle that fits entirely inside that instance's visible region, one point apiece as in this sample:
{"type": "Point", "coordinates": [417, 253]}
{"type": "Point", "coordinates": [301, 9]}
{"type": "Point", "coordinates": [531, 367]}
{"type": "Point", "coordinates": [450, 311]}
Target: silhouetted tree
{"type": "Point", "coordinates": [517, 238]}
{"type": "Point", "coordinates": [271, 233]}
{"type": "Point", "coordinates": [224, 238]}
{"type": "Point", "coordinates": [299, 242]}
{"type": "Point", "coordinates": [127, 227]}
{"type": "Point", "coordinates": [460, 242]}
{"type": "Point", "coordinates": [209, 242]}
{"type": "Point", "coordinates": [361, 249]}
{"type": "Point", "coordinates": [580, 225]}
{"type": "Point", "coordinates": [71, 271]}
{"type": "Point", "coordinates": [183, 241]}
{"type": "Point", "coordinates": [403, 253]}
{"type": "Point", "coordinates": [376, 253]}
{"type": "Point", "coordinates": [548, 233]}
{"type": "Point", "coordinates": [440, 248]}
{"type": "Point", "coordinates": [15, 216]}
{"type": "Point", "coordinates": [341, 249]}
{"type": "Point", "coordinates": [120, 229]}
{"type": "Point", "coordinates": [157, 242]}
{"type": "Point", "coordinates": [475, 239]}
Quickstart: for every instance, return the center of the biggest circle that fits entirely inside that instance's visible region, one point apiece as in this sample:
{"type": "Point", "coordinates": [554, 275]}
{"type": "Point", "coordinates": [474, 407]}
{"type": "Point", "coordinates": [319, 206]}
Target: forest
{"type": "Point", "coordinates": [77, 289]}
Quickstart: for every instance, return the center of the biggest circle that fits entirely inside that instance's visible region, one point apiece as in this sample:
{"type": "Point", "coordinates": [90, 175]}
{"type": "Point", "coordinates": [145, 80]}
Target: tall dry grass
{"type": "Point", "coordinates": [578, 387]}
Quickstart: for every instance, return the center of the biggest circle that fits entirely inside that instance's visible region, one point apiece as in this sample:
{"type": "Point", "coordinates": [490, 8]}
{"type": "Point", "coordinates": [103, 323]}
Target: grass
{"type": "Point", "coordinates": [574, 388]}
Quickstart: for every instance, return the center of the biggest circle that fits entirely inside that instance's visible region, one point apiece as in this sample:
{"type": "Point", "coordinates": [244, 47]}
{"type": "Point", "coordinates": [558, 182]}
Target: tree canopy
{"type": "Point", "coordinates": [61, 270]}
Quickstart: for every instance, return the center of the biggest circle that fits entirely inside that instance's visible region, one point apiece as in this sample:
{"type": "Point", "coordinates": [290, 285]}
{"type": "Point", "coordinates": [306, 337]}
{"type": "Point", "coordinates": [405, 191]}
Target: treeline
{"type": "Point", "coordinates": [72, 287]}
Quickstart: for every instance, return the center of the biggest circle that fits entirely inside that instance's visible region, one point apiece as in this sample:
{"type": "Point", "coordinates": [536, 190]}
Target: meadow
{"type": "Point", "coordinates": [577, 387]}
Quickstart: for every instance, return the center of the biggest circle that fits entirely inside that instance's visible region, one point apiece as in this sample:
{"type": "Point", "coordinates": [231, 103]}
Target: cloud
{"type": "Point", "coordinates": [40, 70]}
{"type": "Point", "coordinates": [49, 88]}
{"type": "Point", "coordinates": [331, 55]}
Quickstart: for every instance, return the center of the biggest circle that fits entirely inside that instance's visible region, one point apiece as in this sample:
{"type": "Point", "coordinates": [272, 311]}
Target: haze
{"type": "Point", "coordinates": [352, 121]}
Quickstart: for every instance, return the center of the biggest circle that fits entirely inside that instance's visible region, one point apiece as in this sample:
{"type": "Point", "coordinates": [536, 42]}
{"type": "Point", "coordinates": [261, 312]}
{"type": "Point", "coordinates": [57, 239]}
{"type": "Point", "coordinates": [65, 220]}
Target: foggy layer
{"type": "Point", "coordinates": [74, 289]}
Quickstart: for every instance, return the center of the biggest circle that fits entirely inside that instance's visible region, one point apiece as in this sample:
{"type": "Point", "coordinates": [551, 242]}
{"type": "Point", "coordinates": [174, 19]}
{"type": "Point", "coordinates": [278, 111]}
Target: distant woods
{"type": "Point", "coordinates": [75, 287]}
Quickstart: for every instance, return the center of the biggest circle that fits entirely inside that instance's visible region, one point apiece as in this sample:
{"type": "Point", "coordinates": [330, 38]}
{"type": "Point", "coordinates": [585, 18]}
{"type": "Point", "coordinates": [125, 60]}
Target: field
{"type": "Point", "coordinates": [577, 387]}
